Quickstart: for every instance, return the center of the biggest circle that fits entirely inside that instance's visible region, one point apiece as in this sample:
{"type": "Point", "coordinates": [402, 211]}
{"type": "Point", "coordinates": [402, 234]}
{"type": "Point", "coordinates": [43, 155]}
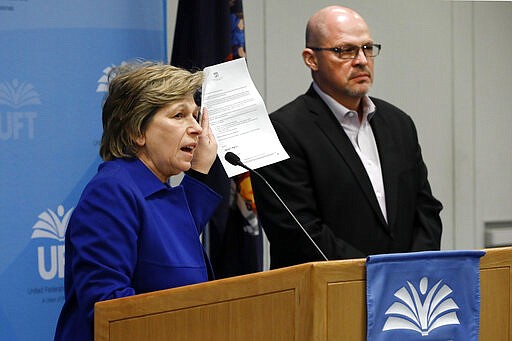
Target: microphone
{"type": "Point", "coordinates": [233, 159]}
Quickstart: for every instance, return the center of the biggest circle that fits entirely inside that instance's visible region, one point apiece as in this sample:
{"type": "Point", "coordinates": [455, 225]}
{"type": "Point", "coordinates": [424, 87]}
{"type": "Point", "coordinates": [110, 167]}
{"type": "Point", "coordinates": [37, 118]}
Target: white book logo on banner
{"type": "Point", "coordinates": [51, 225]}
{"type": "Point", "coordinates": [422, 315]}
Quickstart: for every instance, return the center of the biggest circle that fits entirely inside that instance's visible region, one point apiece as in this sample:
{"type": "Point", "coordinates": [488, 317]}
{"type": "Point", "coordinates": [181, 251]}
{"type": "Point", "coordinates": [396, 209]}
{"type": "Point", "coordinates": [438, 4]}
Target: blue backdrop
{"type": "Point", "coordinates": [54, 56]}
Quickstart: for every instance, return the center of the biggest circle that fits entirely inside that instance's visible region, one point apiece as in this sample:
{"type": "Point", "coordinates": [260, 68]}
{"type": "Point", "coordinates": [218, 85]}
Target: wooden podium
{"type": "Point", "coordinates": [313, 301]}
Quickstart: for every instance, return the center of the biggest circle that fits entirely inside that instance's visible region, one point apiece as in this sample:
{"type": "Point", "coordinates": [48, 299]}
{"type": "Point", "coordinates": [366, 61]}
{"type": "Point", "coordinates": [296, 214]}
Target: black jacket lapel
{"type": "Point", "coordinates": [328, 123]}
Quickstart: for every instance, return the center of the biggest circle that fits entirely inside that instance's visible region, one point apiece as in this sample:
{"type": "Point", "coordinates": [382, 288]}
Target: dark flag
{"type": "Point", "coordinates": [210, 32]}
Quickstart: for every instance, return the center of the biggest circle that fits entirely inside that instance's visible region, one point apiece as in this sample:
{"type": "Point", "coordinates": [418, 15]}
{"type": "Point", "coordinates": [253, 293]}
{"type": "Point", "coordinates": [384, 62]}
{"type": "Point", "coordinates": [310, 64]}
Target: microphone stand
{"type": "Point", "coordinates": [233, 159]}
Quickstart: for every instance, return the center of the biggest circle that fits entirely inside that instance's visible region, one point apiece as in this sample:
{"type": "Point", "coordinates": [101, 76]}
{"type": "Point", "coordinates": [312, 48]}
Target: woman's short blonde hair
{"type": "Point", "coordinates": [136, 91]}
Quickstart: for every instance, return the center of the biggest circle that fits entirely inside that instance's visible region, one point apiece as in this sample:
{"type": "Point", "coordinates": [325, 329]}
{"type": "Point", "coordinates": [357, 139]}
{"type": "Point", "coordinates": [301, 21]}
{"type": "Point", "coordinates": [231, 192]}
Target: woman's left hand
{"type": "Point", "coordinates": [206, 150]}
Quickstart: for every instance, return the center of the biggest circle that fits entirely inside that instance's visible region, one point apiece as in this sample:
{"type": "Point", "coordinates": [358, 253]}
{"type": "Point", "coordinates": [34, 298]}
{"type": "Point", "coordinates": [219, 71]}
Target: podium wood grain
{"type": "Point", "coordinates": [313, 301]}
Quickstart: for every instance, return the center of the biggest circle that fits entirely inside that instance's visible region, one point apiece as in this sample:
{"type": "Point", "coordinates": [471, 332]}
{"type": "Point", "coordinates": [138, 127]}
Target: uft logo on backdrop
{"type": "Point", "coordinates": [16, 123]}
{"type": "Point", "coordinates": [51, 225]}
{"type": "Point", "coordinates": [103, 80]}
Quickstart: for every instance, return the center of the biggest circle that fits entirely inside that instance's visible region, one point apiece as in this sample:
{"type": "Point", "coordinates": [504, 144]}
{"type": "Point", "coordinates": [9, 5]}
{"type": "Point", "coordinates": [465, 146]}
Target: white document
{"type": "Point", "coordinates": [238, 117]}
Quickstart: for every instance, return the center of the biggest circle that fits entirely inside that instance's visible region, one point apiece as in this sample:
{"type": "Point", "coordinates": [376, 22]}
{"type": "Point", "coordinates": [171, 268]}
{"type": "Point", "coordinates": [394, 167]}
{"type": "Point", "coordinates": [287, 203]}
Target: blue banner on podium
{"type": "Point", "coordinates": [54, 58]}
{"type": "Point", "coordinates": [431, 295]}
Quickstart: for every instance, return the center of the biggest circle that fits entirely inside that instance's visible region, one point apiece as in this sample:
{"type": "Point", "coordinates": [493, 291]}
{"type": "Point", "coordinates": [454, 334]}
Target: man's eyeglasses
{"type": "Point", "coordinates": [351, 51]}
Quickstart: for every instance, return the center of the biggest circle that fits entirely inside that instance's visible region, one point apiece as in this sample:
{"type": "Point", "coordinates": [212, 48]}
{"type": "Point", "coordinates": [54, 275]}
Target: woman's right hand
{"type": "Point", "coordinates": [206, 151]}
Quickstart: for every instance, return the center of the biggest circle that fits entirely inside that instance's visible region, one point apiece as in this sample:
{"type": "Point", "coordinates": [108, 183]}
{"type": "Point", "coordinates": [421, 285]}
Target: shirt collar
{"type": "Point", "coordinates": [339, 109]}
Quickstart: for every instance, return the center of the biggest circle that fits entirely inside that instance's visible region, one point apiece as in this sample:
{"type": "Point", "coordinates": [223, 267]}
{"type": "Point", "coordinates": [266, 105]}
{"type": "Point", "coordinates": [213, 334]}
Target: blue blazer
{"type": "Point", "coordinates": [131, 234]}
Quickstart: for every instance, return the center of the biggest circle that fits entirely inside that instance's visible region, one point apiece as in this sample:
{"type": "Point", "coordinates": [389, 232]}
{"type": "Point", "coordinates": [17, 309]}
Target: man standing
{"type": "Point", "coordinates": [355, 179]}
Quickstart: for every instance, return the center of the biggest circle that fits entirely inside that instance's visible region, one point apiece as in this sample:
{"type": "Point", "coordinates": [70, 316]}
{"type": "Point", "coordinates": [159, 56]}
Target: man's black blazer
{"type": "Point", "coordinates": [326, 186]}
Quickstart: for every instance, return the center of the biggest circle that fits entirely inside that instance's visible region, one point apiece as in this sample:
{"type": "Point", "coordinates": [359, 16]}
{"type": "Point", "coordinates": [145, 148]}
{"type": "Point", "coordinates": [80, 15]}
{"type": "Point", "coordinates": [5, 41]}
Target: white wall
{"type": "Point", "coordinates": [445, 63]}
{"type": "Point", "coordinates": [492, 116]}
